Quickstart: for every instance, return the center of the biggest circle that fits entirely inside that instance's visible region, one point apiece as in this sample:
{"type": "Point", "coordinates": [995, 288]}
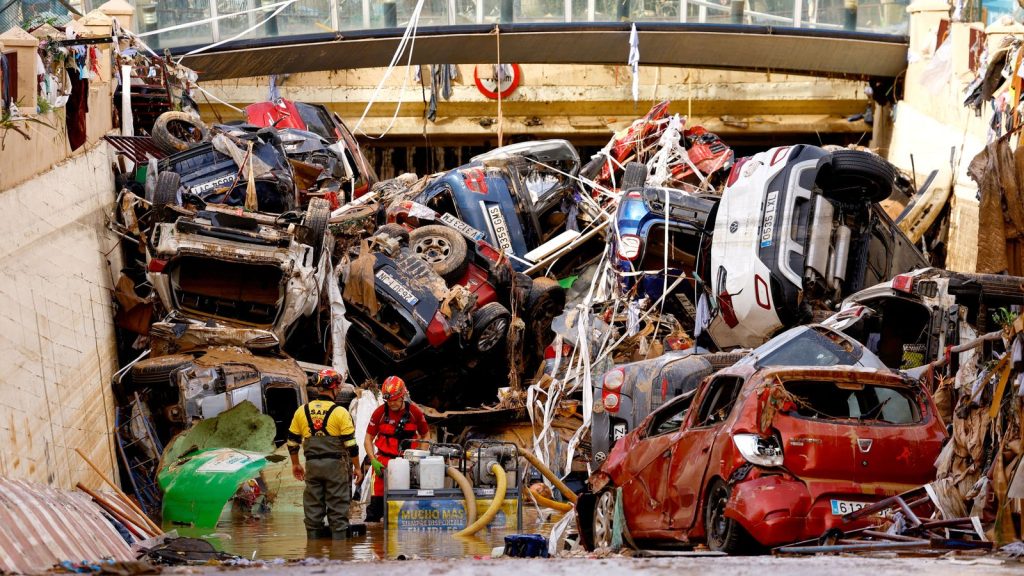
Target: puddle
{"type": "Point", "coordinates": [281, 534]}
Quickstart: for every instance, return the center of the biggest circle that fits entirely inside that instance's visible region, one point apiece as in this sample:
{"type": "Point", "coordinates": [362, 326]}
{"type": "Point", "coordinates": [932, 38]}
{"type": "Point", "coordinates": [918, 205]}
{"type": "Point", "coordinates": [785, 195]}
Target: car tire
{"type": "Point", "coordinates": [317, 213]}
{"type": "Point", "coordinates": [158, 371]}
{"type": "Point", "coordinates": [855, 176]}
{"type": "Point", "coordinates": [545, 301]}
{"type": "Point", "coordinates": [166, 190]}
{"type": "Point", "coordinates": [443, 248]}
{"type": "Point", "coordinates": [602, 520]}
{"type": "Point", "coordinates": [634, 176]}
{"type": "Point", "coordinates": [723, 534]}
{"type": "Point", "coordinates": [396, 231]}
{"type": "Point", "coordinates": [490, 325]}
{"type": "Point", "coordinates": [178, 131]}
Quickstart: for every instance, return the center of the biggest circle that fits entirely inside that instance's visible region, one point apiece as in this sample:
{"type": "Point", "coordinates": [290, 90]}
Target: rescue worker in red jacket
{"type": "Point", "coordinates": [326, 434]}
{"type": "Point", "coordinates": [398, 419]}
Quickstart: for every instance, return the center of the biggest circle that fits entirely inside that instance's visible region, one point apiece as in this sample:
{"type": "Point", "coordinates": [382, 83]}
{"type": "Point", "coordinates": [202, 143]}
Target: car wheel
{"type": "Point", "coordinates": [724, 534]}
{"type": "Point", "coordinates": [604, 514]}
{"type": "Point", "coordinates": [177, 131]}
{"type": "Point", "coordinates": [634, 176]}
{"type": "Point", "coordinates": [490, 324]}
{"type": "Point", "coordinates": [396, 231]}
{"type": "Point", "coordinates": [441, 247]}
{"type": "Point", "coordinates": [166, 190]}
{"type": "Point", "coordinates": [157, 371]}
{"type": "Point", "coordinates": [855, 176]}
{"type": "Point", "coordinates": [545, 301]}
{"type": "Point", "coordinates": [317, 214]}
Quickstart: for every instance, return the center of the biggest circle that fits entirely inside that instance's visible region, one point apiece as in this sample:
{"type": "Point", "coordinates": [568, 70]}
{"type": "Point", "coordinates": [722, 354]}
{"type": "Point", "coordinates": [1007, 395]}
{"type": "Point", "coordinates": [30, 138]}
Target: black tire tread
{"type": "Point", "coordinates": [877, 174]}
{"type": "Point", "coordinates": [484, 316]}
{"type": "Point", "coordinates": [318, 212]}
{"type": "Point", "coordinates": [634, 176]}
{"type": "Point", "coordinates": [166, 190]}
{"type": "Point", "coordinates": [163, 138]}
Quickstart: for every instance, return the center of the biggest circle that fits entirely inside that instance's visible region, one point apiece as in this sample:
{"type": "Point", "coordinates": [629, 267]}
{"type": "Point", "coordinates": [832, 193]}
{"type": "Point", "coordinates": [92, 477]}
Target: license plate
{"type": "Point", "coordinates": [844, 507]}
{"type": "Point", "coordinates": [461, 227]}
{"type": "Point", "coordinates": [396, 287]}
{"type": "Point", "coordinates": [501, 233]}
{"type": "Point", "coordinates": [618, 431]}
{"type": "Point", "coordinates": [768, 225]}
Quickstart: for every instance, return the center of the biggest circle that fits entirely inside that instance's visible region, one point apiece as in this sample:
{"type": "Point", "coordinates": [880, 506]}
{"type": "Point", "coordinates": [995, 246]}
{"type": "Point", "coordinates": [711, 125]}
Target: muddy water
{"type": "Point", "coordinates": [281, 533]}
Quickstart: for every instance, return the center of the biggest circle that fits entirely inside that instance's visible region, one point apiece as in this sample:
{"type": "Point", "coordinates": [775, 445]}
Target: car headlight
{"type": "Point", "coordinates": [759, 450]}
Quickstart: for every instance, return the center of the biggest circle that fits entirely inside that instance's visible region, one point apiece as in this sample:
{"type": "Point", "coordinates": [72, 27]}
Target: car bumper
{"type": "Point", "coordinates": [778, 510]}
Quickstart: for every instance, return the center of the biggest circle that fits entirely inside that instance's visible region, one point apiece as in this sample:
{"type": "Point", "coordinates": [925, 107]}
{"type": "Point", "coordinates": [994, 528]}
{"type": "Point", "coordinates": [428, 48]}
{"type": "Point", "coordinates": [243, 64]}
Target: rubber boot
{"type": "Point", "coordinates": [375, 510]}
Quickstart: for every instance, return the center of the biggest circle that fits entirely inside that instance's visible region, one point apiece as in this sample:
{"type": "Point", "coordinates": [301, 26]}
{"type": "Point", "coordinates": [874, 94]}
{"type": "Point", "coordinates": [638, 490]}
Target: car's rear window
{"type": "Point", "coordinates": [864, 403]}
{"type": "Point", "coordinates": [813, 348]}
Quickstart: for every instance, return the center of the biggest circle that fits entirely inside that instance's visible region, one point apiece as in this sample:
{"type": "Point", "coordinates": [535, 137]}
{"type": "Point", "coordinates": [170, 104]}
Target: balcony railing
{"type": "Point", "coordinates": [224, 19]}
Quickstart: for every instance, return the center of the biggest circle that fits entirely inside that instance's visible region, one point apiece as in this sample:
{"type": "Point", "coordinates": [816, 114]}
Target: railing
{"type": "Point", "coordinates": [224, 19]}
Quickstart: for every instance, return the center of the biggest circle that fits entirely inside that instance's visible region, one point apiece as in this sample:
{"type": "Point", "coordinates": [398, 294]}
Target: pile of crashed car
{"type": "Point", "coordinates": [772, 294]}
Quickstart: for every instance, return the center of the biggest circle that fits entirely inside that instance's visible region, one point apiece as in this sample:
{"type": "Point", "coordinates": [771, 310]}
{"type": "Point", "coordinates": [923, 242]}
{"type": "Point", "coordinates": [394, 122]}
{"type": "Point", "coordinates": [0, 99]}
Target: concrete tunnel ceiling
{"type": "Point", "coordinates": [813, 52]}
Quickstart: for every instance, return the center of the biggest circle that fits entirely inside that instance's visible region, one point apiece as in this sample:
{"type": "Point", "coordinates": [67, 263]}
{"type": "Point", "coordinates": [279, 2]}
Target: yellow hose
{"type": "Point", "coordinates": [569, 494]}
{"type": "Point", "coordinates": [549, 503]}
{"type": "Point", "coordinates": [467, 493]}
{"type": "Point", "coordinates": [492, 510]}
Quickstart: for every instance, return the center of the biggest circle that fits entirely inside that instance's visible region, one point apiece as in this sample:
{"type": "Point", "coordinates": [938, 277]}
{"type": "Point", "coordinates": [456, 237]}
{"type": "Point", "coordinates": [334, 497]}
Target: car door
{"type": "Point", "coordinates": [691, 453]}
{"type": "Point", "coordinates": [645, 493]}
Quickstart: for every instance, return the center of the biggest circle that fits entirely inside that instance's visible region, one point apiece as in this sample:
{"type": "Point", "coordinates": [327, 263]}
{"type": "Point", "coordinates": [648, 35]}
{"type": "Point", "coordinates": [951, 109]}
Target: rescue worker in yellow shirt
{"type": "Point", "coordinates": [326, 434]}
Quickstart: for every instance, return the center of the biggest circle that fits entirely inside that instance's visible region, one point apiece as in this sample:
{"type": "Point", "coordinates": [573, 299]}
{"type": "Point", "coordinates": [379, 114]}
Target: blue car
{"type": "Point", "coordinates": [522, 198]}
{"type": "Point", "coordinates": [654, 223]}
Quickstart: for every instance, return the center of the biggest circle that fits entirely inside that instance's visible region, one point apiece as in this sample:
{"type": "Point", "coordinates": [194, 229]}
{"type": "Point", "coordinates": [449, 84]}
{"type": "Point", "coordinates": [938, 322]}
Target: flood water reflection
{"type": "Point", "coordinates": [281, 533]}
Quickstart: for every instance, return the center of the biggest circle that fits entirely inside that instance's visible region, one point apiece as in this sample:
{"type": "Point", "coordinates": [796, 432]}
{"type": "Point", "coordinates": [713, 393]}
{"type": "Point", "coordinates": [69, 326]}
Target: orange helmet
{"type": "Point", "coordinates": [393, 389]}
{"type": "Point", "coordinates": [328, 379]}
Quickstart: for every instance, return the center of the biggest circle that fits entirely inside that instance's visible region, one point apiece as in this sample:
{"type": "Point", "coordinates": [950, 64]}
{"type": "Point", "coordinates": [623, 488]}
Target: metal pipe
{"type": "Point", "coordinates": [855, 547]}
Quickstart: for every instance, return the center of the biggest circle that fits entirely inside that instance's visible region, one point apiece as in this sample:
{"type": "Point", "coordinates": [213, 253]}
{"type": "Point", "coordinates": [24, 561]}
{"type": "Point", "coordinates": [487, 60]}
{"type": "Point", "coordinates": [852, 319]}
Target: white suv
{"type": "Point", "coordinates": [799, 227]}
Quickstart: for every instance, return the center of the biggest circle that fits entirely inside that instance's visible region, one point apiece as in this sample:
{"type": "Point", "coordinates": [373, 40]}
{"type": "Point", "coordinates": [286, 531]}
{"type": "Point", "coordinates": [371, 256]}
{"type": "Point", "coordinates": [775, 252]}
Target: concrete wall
{"type": "Point", "coordinates": [57, 346]}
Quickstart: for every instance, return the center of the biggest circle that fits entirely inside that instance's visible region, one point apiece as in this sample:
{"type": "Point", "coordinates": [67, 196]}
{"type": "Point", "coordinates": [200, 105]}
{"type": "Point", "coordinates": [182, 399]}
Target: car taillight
{"type": "Point", "coordinates": [725, 300]}
{"type": "Point", "coordinates": [759, 450]}
{"type": "Point", "coordinates": [611, 402]}
{"type": "Point", "coordinates": [156, 265]}
{"type": "Point", "coordinates": [734, 174]}
{"type": "Point", "coordinates": [488, 251]}
{"type": "Point", "coordinates": [903, 283]}
{"type": "Point", "coordinates": [629, 246]}
{"type": "Point", "coordinates": [437, 330]}
{"type": "Point", "coordinates": [613, 379]}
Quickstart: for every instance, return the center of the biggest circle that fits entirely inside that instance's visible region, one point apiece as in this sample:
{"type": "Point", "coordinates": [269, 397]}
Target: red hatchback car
{"type": "Point", "coordinates": [759, 457]}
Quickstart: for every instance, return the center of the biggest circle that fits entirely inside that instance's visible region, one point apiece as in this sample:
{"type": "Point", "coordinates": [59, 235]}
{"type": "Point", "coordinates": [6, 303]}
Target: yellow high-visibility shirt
{"type": "Point", "coordinates": [340, 423]}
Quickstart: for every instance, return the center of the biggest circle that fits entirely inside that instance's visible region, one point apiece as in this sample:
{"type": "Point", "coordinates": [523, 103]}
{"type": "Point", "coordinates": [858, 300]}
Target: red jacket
{"type": "Point", "coordinates": [391, 428]}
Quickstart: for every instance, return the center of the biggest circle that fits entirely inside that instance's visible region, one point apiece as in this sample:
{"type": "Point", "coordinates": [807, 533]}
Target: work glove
{"type": "Point", "coordinates": [378, 467]}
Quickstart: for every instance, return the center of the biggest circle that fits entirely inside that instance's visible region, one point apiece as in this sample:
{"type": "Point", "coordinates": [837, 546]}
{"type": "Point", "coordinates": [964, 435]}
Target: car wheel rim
{"type": "Point", "coordinates": [718, 524]}
{"type": "Point", "coordinates": [433, 250]}
{"type": "Point", "coordinates": [603, 512]}
{"type": "Point", "coordinates": [491, 334]}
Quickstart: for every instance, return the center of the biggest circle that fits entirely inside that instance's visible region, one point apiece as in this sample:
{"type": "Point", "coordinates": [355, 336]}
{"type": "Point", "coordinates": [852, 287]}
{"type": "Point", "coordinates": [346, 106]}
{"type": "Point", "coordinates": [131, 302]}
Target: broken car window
{"type": "Point", "coordinates": [671, 418]}
{"type": "Point", "coordinates": [812, 348]}
{"type": "Point", "coordinates": [853, 401]}
{"type": "Point", "coordinates": [719, 400]}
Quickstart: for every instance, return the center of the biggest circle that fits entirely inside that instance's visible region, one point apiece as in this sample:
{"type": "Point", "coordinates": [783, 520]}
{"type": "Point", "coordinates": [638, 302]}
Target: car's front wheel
{"type": "Point", "coordinates": [490, 324]}
{"type": "Point", "coordinates": [604, 515]}
{"type": "Point", "coordinates": [723, 533]}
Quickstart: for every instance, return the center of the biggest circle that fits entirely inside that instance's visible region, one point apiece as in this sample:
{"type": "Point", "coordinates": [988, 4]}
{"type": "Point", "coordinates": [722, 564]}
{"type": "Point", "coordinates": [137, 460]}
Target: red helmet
{"type": "Point", "coordinates": [328, 379]}
{"type": "Point", "coordinates": [393, 389]}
